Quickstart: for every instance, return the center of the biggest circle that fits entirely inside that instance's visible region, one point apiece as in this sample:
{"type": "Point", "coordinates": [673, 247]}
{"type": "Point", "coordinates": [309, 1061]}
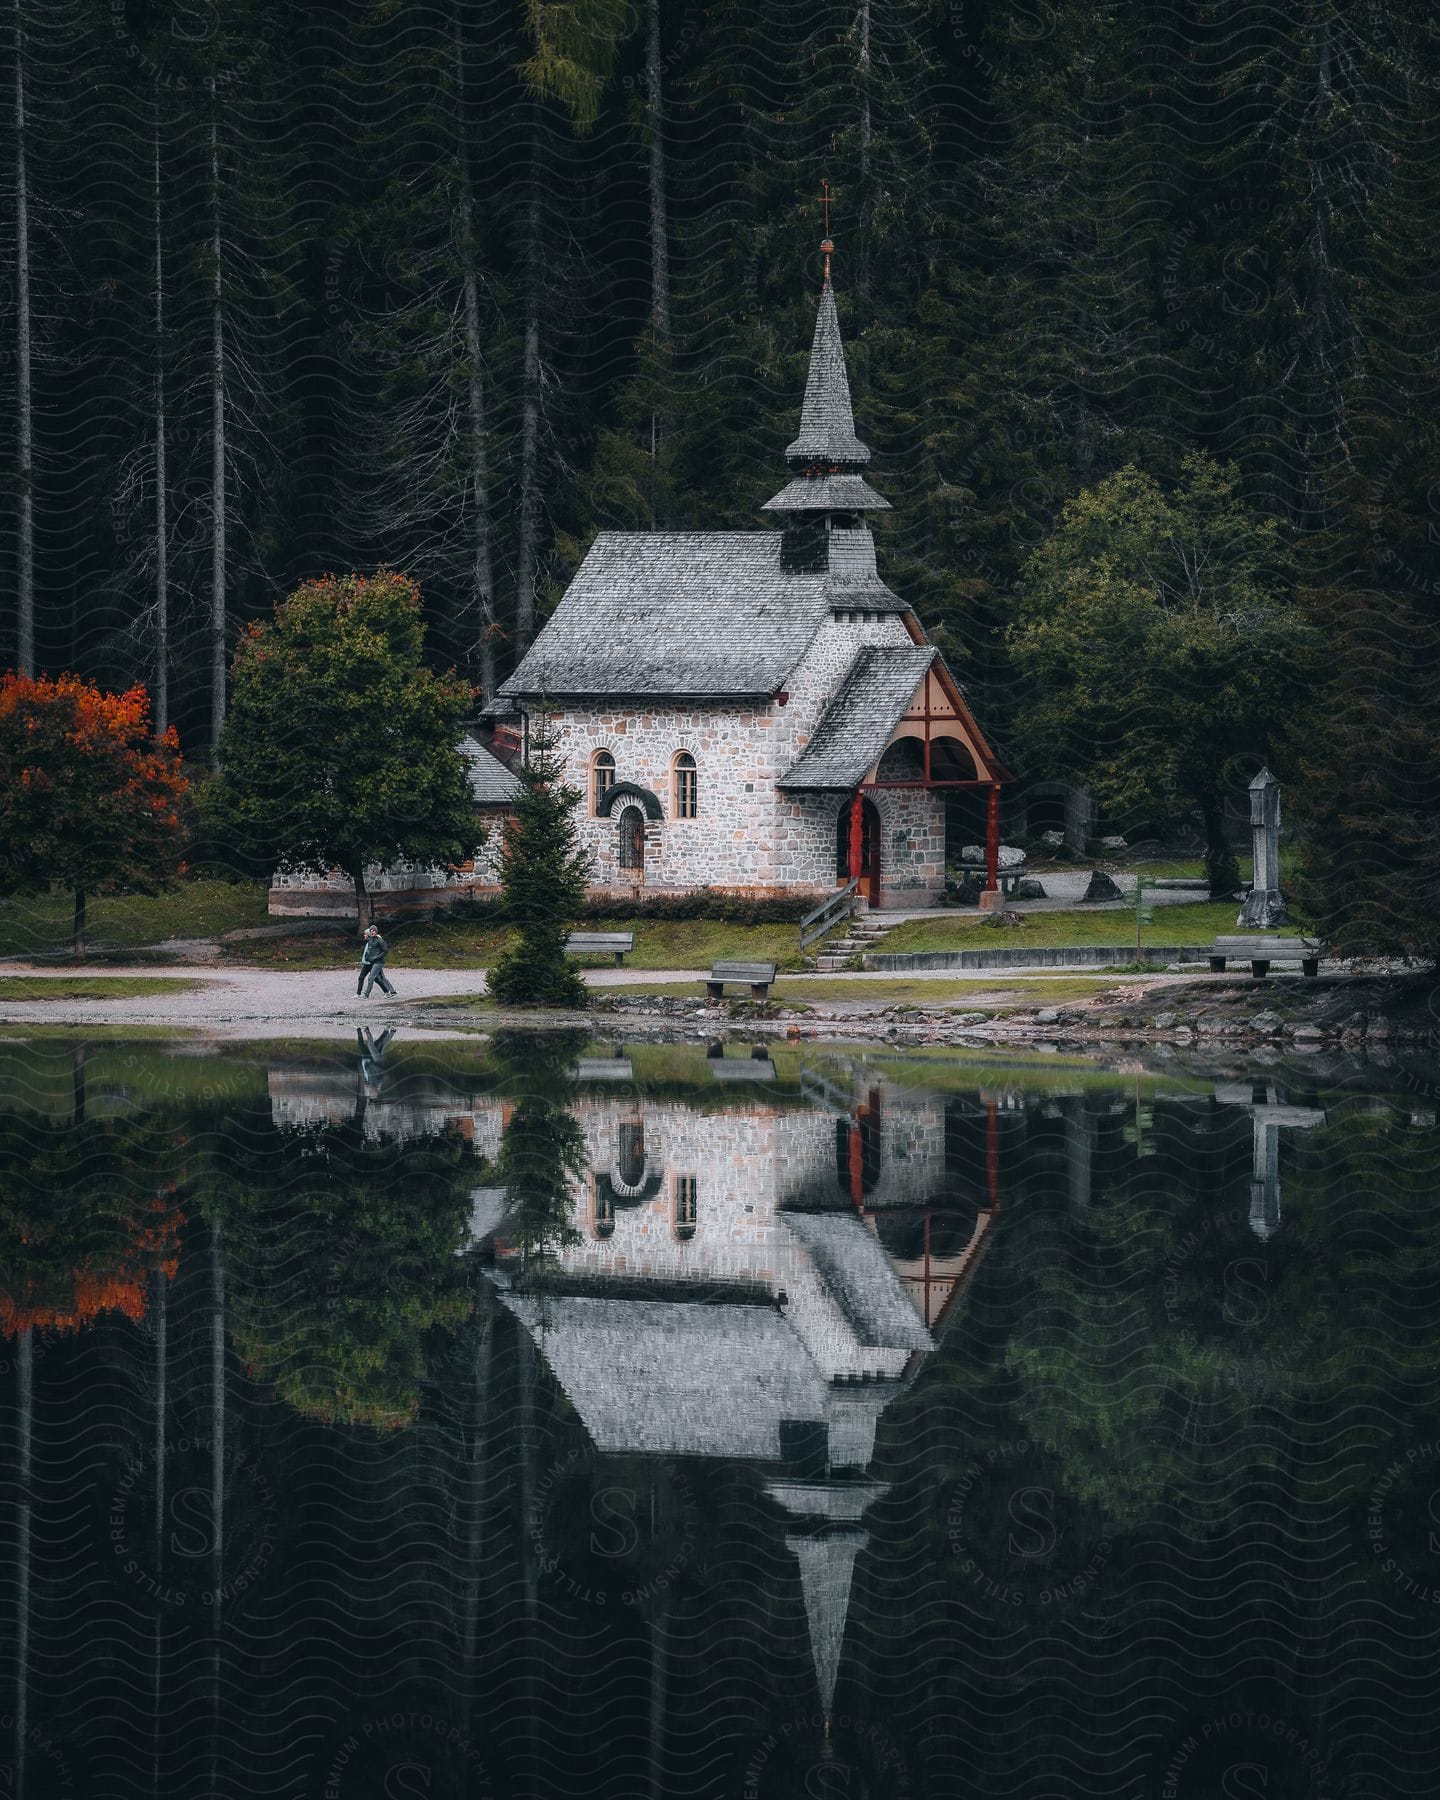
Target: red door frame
{"type": "Point", "coordinates": [871, 876]}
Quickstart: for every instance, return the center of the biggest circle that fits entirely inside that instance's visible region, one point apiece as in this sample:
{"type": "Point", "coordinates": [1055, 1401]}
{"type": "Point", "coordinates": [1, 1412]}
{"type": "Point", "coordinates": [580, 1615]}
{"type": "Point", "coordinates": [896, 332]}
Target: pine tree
{"type": "Point", "coordinates": [413, 294]}
{"type": "Point", "coordinates": [543, 1151]}
{"type": "Point", "coordinates": [543, 876]}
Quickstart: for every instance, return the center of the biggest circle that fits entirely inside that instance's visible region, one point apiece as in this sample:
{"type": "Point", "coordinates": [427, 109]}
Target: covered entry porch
{"type": "Point", "coordinates": [899, 741]}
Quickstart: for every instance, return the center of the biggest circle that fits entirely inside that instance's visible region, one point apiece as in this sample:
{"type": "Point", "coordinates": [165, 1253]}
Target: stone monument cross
{"type": "Point", "coordinates": [1264, 905]}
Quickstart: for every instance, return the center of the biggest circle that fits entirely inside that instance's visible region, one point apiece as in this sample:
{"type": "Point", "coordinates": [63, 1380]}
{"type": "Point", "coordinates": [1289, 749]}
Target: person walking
{"type": "Point", "coordinates": [372, 964]}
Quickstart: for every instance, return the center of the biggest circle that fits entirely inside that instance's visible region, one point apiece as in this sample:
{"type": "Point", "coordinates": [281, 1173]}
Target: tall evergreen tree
{"type": "Point", "coordinates": [543, 875]}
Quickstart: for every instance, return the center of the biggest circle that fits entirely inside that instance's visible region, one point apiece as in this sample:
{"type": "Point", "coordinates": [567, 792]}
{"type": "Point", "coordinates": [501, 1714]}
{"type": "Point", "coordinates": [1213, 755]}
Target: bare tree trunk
{"type": "Point", "coordinates": [483, 558]}
{"type": "Point", "coordinates": [162, 547]}
{"type": "Point", "coordinates": [79, 927]}
{"type": "Point", "coordinates": [478, 1470]}
{"type": "Point", "coordinates": [25, 1476]}
{"type": "Point", "coordinates": [659, 1692]}
{"type": "Point", "coordinates": [1319, 329]}
{"type": "Point", "coordinates": [659, 214]}
{"type": "Point", "coordinates": [217, 455]}
{"type": "Point", "coordinates": [528, 557]}
{"type": "Point", "coordinates": [157, 1664]}
{"type": "Point", "coordinates": [217, 1486]}
{"type": "Point", "coordinates": [1221, 868]}
{"type": "Point", "coordinates": [527, 563]}
{"type": "Point", "coordinates": [659, 236]}
{"type": "Point", "coordinates": [864, 86]}
{"type": "Point", "coordinates": [24, 424]}
{"type": "Point", "coordinates": [362, 897]}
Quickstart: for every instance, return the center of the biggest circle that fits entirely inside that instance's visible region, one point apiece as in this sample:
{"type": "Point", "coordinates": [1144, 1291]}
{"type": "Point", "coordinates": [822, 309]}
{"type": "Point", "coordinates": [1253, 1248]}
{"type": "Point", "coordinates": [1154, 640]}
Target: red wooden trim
{"type": "Point", "coordinates": [992, 839]}
{"type": "Point", "coordinates": [882, 786]}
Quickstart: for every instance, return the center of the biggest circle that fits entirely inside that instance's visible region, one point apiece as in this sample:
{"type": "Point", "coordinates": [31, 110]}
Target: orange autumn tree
{"type": "Point", "coordinates": [90, 1212]}
{"type": "Point", "coordinates": [89, 797]}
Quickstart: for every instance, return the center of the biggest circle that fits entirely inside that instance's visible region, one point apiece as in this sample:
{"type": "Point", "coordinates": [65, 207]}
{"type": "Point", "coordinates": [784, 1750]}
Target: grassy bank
{"type": "Point", "coordinates": [40, 925]}
{"type": "Point", "coordinates": [92, 987]}
{"type": "Point", "coordinates": [456, 943]}
{"type": "Point", "coordinates": [1079, 927]}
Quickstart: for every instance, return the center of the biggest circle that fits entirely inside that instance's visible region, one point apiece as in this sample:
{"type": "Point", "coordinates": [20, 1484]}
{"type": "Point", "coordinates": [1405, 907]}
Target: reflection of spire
{"type": "Point", "coordinates": [827, 1569]}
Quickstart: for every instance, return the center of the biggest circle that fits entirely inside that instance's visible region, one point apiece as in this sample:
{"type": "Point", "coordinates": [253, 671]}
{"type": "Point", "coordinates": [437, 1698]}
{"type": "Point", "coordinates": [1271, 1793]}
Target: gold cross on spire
{"type": "Point", "coordinates": [826, 247]}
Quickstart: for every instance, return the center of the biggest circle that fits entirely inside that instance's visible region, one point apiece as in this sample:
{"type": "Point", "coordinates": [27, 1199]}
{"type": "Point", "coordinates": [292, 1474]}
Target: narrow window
{"type": "Point", "coordinates": [632, 839]}
{"type": "Point", "coordinates": [604, 1211]}
{"type": "Point", "coordinates": [630, 1153]}
{"type": "Point", "coordinates": [603, 779]}
{"type": "Point", "coordinates": [686, 1212]}
{"type": "Point", "coordinates": [687, 787]}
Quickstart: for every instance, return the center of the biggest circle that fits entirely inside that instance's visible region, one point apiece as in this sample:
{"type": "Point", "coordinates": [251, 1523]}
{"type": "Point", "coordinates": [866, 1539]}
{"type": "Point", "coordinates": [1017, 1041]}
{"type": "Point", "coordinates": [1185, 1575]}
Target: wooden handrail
{"type": "Point", "coordinates": [820, 919]}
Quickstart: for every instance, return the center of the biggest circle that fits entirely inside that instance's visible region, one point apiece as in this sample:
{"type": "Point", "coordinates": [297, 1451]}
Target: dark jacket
{"type": "Point", "coordinates": [375, 951]}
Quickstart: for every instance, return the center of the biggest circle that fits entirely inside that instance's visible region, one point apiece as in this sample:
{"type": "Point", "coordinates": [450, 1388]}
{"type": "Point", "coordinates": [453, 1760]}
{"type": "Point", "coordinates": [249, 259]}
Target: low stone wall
{"type": "Point", "coordinates": [1090, 956]}
{"type": "Point", "coordinates": [336, 902]}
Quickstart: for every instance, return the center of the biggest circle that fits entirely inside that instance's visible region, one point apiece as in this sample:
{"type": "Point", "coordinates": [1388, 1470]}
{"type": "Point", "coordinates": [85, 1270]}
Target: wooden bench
{"type": "Point", "coordinates": [600, 943]}
{"type": "Point", "coordinates": [1260, 952]}
{"type": "Point", "coordinates": [758, 974]}
{"type": "Point", "coordinates": [1007, 880]}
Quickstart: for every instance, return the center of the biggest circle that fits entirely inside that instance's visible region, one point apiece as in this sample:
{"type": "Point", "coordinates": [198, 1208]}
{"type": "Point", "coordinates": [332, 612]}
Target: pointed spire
{"type": "Point", "coordinates": [827, 424]}
{"type": "Point", "coordinates": [827, 457]}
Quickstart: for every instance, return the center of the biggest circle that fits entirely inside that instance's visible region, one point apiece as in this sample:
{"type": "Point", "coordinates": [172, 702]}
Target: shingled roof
{"type": "Point", "coordinates": [827, 493]}
{"type": "Point", "coordinates": [827, 425]}
{"type": "Point", "coordinates": [709, 613]}
{"type": "Point", "coordinates": [491, 783]}
{"type": "Point", "coordinates": [855, 728]}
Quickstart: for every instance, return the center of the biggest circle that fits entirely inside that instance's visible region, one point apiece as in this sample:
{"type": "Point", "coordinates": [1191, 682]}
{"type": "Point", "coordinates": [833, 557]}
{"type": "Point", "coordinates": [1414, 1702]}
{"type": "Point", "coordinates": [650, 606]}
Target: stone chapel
{"type": "Point", "coordinates": [755, 711]}
{"type": "Point", "coordinates": [751, 712]}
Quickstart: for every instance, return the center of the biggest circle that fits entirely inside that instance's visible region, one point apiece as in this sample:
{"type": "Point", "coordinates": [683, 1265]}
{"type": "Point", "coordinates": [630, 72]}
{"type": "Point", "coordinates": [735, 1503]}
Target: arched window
{"type": "Point", "coordinates": [632, 838]}
{"type": "Point", "coordinates": [904, 760]}
{"type": "Point", "coordinates": [685, 1209]}
{"type": "Point", "coordinates": [687, 787]}
{"type": "Point", "coordinates": [951, 761]}
{"type": "Point", "coordinates": [630, 1153]}
{"type": "Point", "coordinates": [602, 777]}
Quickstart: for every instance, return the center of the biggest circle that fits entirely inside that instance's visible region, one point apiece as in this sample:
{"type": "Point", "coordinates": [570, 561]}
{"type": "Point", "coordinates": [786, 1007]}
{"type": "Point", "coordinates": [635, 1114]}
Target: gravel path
{"type": "Point", "coordinates": [303, 1001]}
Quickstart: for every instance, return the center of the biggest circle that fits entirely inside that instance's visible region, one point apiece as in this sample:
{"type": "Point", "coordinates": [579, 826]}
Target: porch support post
{"type": "Point", "coordinates": [990, 898]}
{"type": "Point", "coordinates": [857, 836]}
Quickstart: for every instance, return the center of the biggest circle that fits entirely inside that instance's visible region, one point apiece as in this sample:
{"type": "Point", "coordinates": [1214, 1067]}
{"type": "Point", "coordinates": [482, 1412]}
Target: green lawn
{"type": "Point", "coordinates": [453, 943]}
{"type": "Point", "coordinates": [41, 924]}
{"type": "Point", "coordinates": [91, 987]}
{"type": "Point", "coordinates": [1197, 923]}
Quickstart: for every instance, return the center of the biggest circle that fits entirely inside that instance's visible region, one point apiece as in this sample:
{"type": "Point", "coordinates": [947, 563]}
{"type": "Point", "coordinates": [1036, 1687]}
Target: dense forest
{"type": "Point", "coordinates": [454, 284]}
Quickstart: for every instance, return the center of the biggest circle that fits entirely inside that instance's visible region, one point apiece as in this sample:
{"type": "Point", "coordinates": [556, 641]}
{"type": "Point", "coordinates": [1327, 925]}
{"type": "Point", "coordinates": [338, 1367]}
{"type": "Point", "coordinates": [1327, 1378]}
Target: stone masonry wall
{"type": "Point", "coordinates": [912, 846]}
{"type": "Point", "coordinates": [747, 835]}
{"type": "Point", "coordinates": [329, 893]}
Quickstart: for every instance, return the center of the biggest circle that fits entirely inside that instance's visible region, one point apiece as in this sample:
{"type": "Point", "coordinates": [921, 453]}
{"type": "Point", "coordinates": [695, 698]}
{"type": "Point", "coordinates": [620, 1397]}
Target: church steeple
{"type": "Point", "coordinates": [827, 458]}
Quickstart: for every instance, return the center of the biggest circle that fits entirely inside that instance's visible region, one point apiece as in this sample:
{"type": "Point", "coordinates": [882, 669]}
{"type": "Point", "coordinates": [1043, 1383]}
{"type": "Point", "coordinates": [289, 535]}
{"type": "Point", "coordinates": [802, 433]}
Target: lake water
{"type": "Point", "coordinates": [544, 1417]}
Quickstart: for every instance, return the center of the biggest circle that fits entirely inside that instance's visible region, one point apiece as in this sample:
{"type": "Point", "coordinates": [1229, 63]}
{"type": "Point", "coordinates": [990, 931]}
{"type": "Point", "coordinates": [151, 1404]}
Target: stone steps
{"type": "Point", "coordinates": [863, 933]}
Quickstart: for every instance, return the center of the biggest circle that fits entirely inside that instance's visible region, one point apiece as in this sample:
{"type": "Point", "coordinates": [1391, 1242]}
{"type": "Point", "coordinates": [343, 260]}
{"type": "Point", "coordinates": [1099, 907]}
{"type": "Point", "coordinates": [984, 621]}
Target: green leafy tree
{"type": "Point", "coordinates": [343, 1260]}
{"type": "Point", "coordinates": [1163, 643]}
{"type": "Point", "coordinates": [89, 799]}
{"type": "Point", "coordinates": [543, 873]}
{"type": "Point", "coordinates": [340, 750]}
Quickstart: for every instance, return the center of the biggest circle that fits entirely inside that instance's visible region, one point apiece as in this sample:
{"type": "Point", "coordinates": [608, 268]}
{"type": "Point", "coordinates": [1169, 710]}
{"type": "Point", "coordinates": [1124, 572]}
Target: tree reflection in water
{"type": "Point", "coordinates": [859, 1483]}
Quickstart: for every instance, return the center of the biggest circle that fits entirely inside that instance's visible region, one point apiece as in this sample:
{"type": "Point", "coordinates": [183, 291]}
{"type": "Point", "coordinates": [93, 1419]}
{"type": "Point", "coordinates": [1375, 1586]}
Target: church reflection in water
{"type": "Point", "coordinates": [755, 1279]}
{"type": "Point", "coordinates": [574, 1419]}
{"type": "Point", "coordinates": [753, 1282]}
